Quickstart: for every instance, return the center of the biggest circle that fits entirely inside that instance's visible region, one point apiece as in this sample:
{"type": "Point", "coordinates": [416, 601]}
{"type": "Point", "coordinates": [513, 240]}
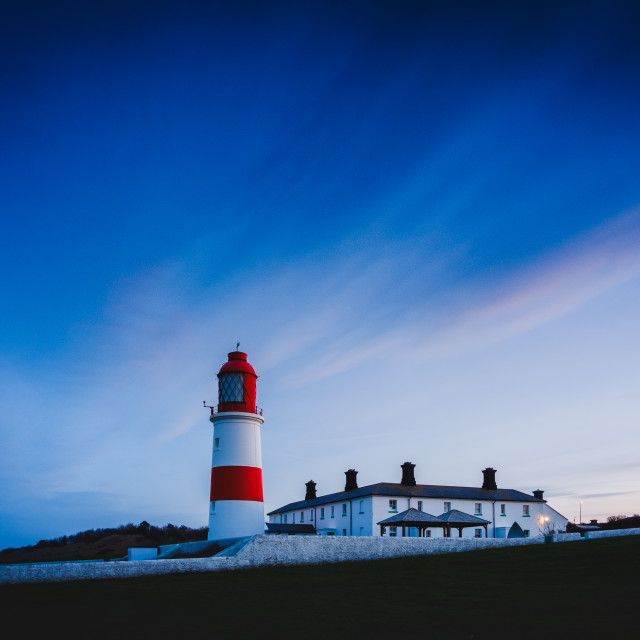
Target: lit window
{"type": "Point", "coordinates": [503, 509]}
{"type": "Point", "coordinates": [478, 511]}
{"type": "Point", "coordinates": [393, 506]}
{"type": "Point", "coordinates": [302, 516]}
{"type": "Point", "coordinates": [419, 505]}
{"type": "Point", "coordinates": [478, 533]}
{"type": "Point", "coordinates": [447, 506]}
{"type": "Point", "coordinates": [525, 509]}
{"type": "Point", "coordinates": [321, 513]}
{"type": "Point", "coordinates": [393, 531]}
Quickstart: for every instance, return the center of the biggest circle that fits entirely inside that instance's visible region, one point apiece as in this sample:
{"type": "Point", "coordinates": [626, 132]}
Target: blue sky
{"type": "Point", "coordinates": [421, 221]}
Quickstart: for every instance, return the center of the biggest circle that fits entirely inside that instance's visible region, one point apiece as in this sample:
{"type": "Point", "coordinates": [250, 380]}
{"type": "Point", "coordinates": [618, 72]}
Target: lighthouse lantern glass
{"type": "Point", "coordinates": [231, 387]}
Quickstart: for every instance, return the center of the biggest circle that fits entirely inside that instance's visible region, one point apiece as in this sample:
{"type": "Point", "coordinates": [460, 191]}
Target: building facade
{"type": "Point", "coordinates": [358, 511]}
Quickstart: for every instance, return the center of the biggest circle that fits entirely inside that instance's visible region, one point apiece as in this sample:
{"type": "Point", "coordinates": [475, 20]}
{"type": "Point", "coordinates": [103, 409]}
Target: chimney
{"type": "Point", "coordinates": [408, 479]}
{"type": "Point", "coordinates": [538, 494]}
{"type": "Point", "coordinates": [311, 490]}
{"type": "Point", "coordinates": [489, 478]}
{"type": "Point", "coordinates": [352, 481]}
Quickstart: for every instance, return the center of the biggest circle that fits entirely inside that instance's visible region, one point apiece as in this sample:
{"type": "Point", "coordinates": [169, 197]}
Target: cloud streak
{"type": "Point", "coordinates": [553, 287]}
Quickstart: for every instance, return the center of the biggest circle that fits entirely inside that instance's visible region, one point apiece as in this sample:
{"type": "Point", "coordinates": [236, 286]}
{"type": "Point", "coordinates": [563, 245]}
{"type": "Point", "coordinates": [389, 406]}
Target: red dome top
{"type": "Point", "coordinates": [237, 385]}
{"type": "Point", "coordinates": [237, 362]}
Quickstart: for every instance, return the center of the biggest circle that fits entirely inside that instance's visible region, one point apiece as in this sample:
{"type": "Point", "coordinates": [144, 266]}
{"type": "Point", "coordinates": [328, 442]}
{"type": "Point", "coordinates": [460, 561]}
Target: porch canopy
{"type": "Point", "coordinates": [460, 520]}
{"type": "Point", "coordinates": [413, 518]}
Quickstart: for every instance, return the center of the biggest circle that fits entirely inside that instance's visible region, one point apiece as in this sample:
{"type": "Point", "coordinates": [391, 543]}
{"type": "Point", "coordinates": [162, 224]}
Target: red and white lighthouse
{"type": "Point", "coordinates": [236, 503]}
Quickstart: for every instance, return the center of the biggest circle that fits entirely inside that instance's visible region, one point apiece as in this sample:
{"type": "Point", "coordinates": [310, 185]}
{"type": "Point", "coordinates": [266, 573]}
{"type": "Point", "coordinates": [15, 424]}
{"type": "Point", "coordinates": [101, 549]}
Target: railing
{"type": "Point", "coordinates": [216, 409]}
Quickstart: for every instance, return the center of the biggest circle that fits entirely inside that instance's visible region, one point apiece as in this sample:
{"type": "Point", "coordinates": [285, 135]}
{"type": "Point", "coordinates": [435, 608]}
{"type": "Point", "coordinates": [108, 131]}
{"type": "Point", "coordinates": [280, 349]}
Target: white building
{"type": "Point", "coordinates": [358, 511]}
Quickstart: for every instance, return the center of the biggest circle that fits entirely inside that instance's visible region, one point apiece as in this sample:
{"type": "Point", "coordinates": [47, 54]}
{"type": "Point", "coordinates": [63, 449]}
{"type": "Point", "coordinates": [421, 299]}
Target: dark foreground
{"type": "Point", "coordinates": [586, 589]}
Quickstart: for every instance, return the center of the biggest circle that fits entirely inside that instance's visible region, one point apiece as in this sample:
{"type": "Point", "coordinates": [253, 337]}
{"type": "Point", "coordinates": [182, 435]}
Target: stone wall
{"type": "Point", "coordinates": [272, 550]}
{"type": "Point", "coordinates": [613, 533]}
{"type": "Point", "coordinates": [65, 571]}
{"type": "Point", "coordinates": [278, 550]}
{"type": "Point", "coordinates": [564, 537]}
{"type": "Point", "coordinates": [170, 550]}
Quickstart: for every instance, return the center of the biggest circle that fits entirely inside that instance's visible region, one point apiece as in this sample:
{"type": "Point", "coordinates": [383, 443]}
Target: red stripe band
{"type": "Point", "coordinates": [236, 483]}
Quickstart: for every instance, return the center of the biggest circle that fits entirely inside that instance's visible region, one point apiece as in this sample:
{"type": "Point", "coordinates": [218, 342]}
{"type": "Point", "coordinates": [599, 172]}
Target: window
{"type": "Point", "coordinates": [361, 531]}
{"type": "Point", "coordinates": [427, 533]}
{"type": "Point", "coordinates": [393, 506]}
{"type": "Point", "coordinates": [478, 533]}
{"type": "Point", "coordinates": [216, 443]}
{"type": "Point", "coordinates": [447, 506]}
{"type": "Point", "coordinates": [393, 531]}
{"type": "Point", "coordinates": [478, 510]}
{"type": "Point", "coordinates": [503, 509]}
{"type": "Point", "coordinates": [333, 515]}
{"type": "Point", "coordinates": [526, 533]}
{"type": "Point", "coordinates": [525, 510]}
{"type": "Point", "coordinates": [321, 513]}
{"type": "Point", "coordinates": [361, 506]}
{"type": "Point", "coordinates": [344, 532]}
{"type": "Point", "coordinates": [285, 518]}
{"type": "Point", "coordinates": [231, 387]}
{"type": "Point", "coordinates": [213, 507]}
{"type": "Point", "coordinates": [419, 505]}
{"type": "Point", "coordinates": [311, 515]}
{"type": "Point", "coordinates": [302, 516]}
{"type": "Point", "coordinates": [344, 509]}
{"type": "Point", "coordinates": [293, 518]}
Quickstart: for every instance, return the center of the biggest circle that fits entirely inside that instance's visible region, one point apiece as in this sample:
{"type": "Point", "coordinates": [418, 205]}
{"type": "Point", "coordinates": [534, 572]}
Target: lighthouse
{"type": "Point", "coordinates": [236, 505]}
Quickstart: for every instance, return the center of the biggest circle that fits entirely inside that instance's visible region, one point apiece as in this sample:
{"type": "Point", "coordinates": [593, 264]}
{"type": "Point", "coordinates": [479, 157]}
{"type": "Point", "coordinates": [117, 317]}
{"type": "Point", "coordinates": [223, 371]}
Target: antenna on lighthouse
{"type": "Point", "coordinates": [237, 346]}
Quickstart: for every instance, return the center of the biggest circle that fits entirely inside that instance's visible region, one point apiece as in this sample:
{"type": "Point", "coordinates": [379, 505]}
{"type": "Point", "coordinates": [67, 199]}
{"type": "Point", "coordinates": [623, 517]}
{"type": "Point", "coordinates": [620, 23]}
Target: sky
{"type": "Point", "coordinates": [421, 220]}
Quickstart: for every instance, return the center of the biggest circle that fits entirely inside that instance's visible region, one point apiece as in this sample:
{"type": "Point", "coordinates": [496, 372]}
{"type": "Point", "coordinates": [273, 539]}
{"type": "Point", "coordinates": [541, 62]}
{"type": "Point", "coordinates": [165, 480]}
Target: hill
{"type": "Point", "coordinates": [102, 543]}
{"type": "Point", "coordinates": [585, 589]}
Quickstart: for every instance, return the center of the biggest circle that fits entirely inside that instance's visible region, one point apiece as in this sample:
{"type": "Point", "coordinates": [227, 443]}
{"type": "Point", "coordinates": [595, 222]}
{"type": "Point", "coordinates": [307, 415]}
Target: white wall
{"type": "Point", "coordinates": [235, 518]}
{"type": "Point", "coordinates": [142, 553]}
{"type": "Point", "coordinates": [238, 437]}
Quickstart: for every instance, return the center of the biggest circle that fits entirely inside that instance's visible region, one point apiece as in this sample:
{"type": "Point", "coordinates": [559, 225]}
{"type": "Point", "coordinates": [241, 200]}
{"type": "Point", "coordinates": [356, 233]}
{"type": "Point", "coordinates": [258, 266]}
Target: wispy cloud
{"type": "Point", "coordinates": [552, 287]}
{"type": "Point", "coordinates": [609, 494]}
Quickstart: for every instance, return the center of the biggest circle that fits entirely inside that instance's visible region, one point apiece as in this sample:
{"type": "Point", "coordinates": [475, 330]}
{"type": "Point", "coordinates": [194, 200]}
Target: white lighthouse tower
{"type": "Point", "coordinates": [236, 505]}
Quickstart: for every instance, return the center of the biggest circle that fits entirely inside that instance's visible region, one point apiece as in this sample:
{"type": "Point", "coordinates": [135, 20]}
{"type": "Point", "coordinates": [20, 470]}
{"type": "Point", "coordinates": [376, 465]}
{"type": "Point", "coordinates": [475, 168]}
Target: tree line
{"type": "Point", "coordinates": [169, 534]}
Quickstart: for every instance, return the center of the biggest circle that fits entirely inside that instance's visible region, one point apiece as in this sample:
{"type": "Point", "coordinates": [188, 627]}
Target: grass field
{"type": "Point", "coordinates": [587, 589]}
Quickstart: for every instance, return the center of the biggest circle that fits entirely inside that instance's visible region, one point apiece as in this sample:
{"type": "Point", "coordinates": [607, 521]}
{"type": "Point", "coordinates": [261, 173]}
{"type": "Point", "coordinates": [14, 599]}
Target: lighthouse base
{"type": "Point", "coordinates": [235, 519]}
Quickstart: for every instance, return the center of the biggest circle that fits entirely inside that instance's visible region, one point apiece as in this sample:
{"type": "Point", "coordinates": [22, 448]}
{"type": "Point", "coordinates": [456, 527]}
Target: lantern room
{"type": "Point", "coordinates": [237, 385]}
